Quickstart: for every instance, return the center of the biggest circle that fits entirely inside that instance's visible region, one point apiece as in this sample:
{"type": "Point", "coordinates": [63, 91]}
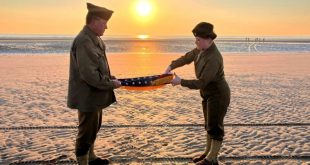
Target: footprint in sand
{"type": "Point", "coordinates": [2, 101]}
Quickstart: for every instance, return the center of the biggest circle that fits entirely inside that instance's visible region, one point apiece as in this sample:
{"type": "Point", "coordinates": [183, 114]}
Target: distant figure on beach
{"type": "Point", "coordinates": [90, 83]}
{"type": "Point", "coordinates": [213, 87]}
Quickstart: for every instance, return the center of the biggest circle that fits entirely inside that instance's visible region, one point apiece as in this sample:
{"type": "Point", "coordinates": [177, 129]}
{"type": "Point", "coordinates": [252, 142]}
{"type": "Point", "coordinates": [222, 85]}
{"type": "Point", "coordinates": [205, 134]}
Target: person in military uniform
{"type": "Point", "coordinates": [213, 87]}
{"type": "Point", "coordinates": [90, 82]}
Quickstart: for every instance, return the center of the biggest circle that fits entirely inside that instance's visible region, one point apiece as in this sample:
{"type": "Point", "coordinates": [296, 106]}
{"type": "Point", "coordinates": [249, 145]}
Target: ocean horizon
{"type": "Point", "coordinates": [60, 44]}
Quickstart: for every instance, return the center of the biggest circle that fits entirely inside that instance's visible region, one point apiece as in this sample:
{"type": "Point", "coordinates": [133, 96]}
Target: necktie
{"type": "Point", "coordinates": [199, 55]}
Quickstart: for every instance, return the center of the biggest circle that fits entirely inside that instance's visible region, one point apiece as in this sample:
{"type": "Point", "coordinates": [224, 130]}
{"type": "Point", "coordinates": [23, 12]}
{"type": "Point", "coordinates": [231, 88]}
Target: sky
{"type": "Point", "coordinates": [160, 18]}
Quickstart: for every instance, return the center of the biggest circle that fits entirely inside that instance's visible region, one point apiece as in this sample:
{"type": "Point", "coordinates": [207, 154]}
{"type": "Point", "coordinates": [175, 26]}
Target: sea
{"type": "Point", "coordinates": [60, 44]}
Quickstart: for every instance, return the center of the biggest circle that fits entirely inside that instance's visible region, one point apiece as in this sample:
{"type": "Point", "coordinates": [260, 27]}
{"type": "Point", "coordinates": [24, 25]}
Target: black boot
{"type": "Point", "coordinates": [199, 158]}
{"type": "Point", "coordinates": [206, 162]}
{"type": "Point", "coordinates": [99, 161]}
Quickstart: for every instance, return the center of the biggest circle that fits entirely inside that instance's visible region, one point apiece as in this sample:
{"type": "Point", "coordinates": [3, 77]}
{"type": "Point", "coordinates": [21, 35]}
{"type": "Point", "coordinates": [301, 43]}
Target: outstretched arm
{"type": "Point", "coordinates": [206, 77]}
{"type": "Point", "coordinates": [186, 59]}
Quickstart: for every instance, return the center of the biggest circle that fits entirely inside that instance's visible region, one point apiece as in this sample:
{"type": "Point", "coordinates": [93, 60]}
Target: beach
{"type": "Point", "coordinates": [267, 121]}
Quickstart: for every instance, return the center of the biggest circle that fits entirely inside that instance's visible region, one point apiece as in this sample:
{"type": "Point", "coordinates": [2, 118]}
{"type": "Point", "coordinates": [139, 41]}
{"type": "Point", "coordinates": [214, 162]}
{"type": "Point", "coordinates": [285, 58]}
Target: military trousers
{"type": "Point", "coordinates": [89, 126]}
{"type": "Point", "coordinates": [214, 112]}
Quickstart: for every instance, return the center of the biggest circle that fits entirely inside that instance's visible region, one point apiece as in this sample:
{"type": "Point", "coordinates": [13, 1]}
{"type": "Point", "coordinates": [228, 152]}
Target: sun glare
{"type": "Point", "coordinates": [144, 8]}
{"type": "Point", "coordinates": [143, 36]}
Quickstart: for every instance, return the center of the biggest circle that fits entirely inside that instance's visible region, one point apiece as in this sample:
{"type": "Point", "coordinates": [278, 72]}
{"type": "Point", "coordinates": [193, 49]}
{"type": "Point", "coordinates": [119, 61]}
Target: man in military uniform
{"type": "Point", "coordinates": [90, 82]}
{"type": "Point", "coordinates": [213, 88]}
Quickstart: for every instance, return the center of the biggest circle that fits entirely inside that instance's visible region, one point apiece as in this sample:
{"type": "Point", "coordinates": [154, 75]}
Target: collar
{"type": "Point", "coordinates": [212, 47]}
{"type": "Point", "coordinates": [91, 34]}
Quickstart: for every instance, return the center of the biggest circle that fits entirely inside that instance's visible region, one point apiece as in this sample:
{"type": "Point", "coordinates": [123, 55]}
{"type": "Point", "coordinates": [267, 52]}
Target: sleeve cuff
{"type": "Point", "coordinates": [172, 66]}
{"type": "Point", "coordinates": [183, 82]}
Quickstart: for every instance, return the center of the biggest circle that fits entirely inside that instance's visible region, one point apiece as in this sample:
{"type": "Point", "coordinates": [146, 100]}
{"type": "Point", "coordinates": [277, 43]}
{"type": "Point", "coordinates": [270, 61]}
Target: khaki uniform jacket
{"type": "Point", "coordinates": [90, 86]}
{"type": "Point", "coordinates": [209, 72]}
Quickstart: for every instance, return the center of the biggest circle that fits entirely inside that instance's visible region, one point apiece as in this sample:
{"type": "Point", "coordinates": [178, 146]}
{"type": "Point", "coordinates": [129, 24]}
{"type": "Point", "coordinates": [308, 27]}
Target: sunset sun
{"type": "Point", "coordinates": [143, 8]}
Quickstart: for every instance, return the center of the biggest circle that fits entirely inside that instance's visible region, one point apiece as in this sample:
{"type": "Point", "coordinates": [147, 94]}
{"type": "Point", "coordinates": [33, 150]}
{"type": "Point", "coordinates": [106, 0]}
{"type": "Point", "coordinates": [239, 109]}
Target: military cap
{"type": "Point", "coordinates": [204, 30]}
{"type": "Point", "coordinates": [99, 11]}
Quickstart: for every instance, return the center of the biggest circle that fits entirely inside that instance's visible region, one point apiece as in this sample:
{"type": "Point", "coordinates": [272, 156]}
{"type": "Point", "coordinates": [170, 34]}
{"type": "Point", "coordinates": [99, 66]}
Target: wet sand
{"type": "Point", "coordinates": [155, 126]}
